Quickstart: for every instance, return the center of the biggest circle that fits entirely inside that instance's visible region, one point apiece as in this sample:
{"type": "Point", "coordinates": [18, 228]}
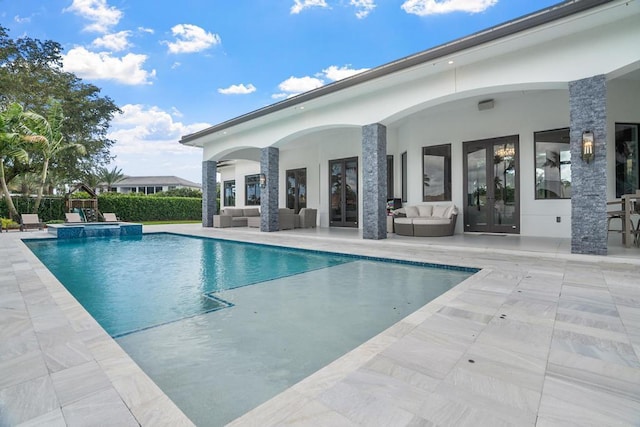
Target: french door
{"type": "Point", "coordinates": [343, 192]}
{"type": "Point", "coordinates": [297, 189]}
{"type": "Point", "coordinates": [491, 185]}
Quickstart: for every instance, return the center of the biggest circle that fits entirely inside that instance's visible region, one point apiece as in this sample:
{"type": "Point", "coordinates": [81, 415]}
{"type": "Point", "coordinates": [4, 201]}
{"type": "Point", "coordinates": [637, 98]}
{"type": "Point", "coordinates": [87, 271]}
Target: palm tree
{"type": "Point", "coordinates": [110, 177]}
{"type": "Point", "coordinates": [11, 147]}
{"type": "Point", "coordinates": [47, 132]}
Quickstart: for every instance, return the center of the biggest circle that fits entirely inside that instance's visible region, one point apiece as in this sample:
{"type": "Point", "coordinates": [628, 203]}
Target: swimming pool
{"type": "Point", "coordinates": [296, 318]}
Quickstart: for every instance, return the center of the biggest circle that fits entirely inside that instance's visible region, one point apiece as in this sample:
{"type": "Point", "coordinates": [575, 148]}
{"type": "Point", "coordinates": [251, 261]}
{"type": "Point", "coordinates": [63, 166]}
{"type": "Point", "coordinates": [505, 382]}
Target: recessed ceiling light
{"type": "Point", "coordinates": [301, 107]}
{"type": "Point", "coordinates": [450, 61]}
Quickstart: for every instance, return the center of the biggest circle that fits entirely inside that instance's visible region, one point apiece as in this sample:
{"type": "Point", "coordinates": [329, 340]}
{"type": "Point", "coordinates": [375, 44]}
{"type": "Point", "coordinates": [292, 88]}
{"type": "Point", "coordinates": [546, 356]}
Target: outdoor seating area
{"type": "Point", "coordinates": [250, 217]}
{"type": "Point", "coordinates": [426, 220]}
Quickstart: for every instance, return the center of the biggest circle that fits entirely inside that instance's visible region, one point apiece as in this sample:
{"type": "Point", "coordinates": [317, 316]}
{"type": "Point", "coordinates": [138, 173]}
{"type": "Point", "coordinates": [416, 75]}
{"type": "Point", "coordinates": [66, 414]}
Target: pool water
{"type": "Point", "coordinates": [303, 310]}
{"type": "Point", "coordinates": [161, 278]}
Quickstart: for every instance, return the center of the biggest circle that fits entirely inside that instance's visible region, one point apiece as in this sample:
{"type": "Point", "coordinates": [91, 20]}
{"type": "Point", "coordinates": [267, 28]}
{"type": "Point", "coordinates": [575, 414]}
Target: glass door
{"type": "Point", "coordinates": [343, 192]}
{"type": "Point", "coordinates": [297, 189]}
{"type": "Point", "coordinates": [491, 185]}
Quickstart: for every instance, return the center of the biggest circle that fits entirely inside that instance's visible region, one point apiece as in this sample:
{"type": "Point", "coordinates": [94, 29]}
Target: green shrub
{"type": "Point", "coordinates": [150, 208]}
{"type": "Point", "coordinates": [51, 207]}
{"type": "Point", "coordinates": [6, 224]}
{"type": "Point", "coordinates": [181, 192]}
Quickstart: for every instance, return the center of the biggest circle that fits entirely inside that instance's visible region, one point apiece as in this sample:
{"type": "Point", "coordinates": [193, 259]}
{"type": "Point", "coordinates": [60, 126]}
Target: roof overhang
{"type": "Point", "coordinates": [400, 69]}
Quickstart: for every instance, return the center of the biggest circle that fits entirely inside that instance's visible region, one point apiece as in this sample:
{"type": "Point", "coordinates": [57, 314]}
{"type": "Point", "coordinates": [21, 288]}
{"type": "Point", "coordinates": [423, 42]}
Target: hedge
{"type": "Point", "coordinates": [126, 207]}
{"type": "Point", "coordinates": [51, 208]}
{"type": "Point", "coordinates": [150, 208]}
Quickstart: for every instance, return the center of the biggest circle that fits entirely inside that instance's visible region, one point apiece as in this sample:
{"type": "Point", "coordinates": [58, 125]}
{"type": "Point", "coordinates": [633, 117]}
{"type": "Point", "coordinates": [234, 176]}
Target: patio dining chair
{"type": "Point", "coordinates": [615, 214]}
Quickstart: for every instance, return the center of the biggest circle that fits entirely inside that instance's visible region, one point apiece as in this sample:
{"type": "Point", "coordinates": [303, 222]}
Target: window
{"type": "Point", "coordinates": [252, 190]}
{"type": "Point", "coordinates": [627, 158]}
{"type": "Point", "coordinates": [553, 164]}
{"type": "Point", "coordinates": [390, 190]}
{"type": "Point", "coordinates": [404, 176]}
{"type": "Point", "coordinates": [230, 193]}
{"type": "Point", "coordinates": [296, 189]}
{"type": "Point", "coordinates": [436, 173]}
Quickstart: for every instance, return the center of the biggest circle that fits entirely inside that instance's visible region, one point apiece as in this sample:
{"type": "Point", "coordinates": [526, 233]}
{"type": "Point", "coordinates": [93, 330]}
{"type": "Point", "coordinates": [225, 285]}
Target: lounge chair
{"type": "Point", "coordinates": [73, 217]}
{"type": "Point", "coordinates": [110, 217]}
{"type": "Point", "coordinates": [30, 221]}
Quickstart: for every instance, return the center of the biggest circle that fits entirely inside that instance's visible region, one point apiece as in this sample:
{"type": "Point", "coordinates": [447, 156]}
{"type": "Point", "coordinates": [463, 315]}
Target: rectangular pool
{"type": "Point", "coordinates": [223, 326]}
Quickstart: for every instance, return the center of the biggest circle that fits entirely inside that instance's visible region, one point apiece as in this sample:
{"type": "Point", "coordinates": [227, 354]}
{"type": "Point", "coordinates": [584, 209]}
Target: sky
{"type": "Point", "coordinates": [176, 67]}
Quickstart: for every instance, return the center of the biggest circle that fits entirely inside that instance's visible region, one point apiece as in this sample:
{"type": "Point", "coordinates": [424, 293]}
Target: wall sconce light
{"type": "Point", "coordinates": [263, 180]}
{"type": "Point", "coordinates": [588, 147]}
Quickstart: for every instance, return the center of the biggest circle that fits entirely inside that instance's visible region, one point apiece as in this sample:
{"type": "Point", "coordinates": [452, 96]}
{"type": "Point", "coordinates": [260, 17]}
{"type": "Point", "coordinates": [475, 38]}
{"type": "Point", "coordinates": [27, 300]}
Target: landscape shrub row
{"type": "Point", "coordinates": [150, 208]}
{"type": "Point", "coordinates": [51, 208]}
{"type": "Point", "coordinates": [126, 207]}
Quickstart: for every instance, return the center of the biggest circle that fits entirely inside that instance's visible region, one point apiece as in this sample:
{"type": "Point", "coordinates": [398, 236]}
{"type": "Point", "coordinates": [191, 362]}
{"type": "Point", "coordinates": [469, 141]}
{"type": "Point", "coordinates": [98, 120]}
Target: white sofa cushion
{"type": "Point", "coordinates": [441, 211]}
{"type": "Point", "coordinates": [431, 221]}
{"type": "Point", "coordinates": [412, 211]}
{"type": "Point", "coordinates": [400, 220]}
{"type": "Point", "coordinates": [425, 210]}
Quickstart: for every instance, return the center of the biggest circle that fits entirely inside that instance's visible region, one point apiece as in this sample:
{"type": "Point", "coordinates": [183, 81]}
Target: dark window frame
{"type": "Point", "coordinates": [254, 182]}
{"type": "Point", "coordinates": [565, 142]}
{"type": "Point", "coordinates": [620, 167]}
{"type": "Point", "coordinates": [442, 150]}
{"type": "Point", "coordinates": [231, 201]}
{"type": "Point", "coordinates": [404, 176]}
{"type": "Point", "coordinates": [297, 202]}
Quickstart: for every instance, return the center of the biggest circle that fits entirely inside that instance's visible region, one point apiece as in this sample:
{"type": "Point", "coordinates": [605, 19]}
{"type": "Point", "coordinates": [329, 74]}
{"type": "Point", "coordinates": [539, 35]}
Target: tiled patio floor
{"type": "Point", "coordinates": [538, 337]}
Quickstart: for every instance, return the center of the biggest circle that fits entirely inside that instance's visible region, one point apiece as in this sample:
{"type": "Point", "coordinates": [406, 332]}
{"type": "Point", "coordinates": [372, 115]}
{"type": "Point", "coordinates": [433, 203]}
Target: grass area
{"type": "Point", "coordinates": [190, 221]}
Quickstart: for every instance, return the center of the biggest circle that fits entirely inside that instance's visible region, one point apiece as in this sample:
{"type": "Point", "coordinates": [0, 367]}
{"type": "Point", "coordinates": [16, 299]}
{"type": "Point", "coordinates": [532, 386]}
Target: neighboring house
{"type": "Point", "coordinates": [495, 122]}
{"type": "Point", "coordinates": [149, 184]}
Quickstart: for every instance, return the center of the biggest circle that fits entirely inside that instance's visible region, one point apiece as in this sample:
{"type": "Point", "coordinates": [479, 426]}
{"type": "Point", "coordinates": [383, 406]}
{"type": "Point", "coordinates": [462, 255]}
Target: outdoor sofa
{"type": "Point", "coordinates": [426, 220]}
{"type": "Point", "coordinates": [250, 217]}
{"type": "Point", "coordinates": [235, 217]}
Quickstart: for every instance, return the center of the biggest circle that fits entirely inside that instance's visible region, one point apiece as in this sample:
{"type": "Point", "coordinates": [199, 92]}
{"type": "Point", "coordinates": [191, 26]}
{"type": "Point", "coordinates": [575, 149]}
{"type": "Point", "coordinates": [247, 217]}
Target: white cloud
{"type": "Point", "coordinates": [434, 7]}
{"type": "Point", "coordinates": [365, 7]}
{"type": "Point", "coordinates": [240, 89]}
{"type": "Point", "coordinates": [115, 42]}
{"type": "Point", "coordinates": [175, 65]}
{"type": "Point", "coordinates": [102, 66]}
{"type": "Point", "coordinates": [334, 72]}
{"type": "Point", "coordinates": [146, 30]}
{"type": "Point", "coordinates": [296, 85]}
{"type": "Point", "coordinates": [176, 113]}
{"type": "Point", "coordinates": [191, 38]}
{"type": "Point", "coordinates": [102, 15]}
{"type": "Point", "coordinates": [146, 143]}
{"type": "Point", "coordinates": [141, 130]}
{"type": "Point", "coordinates": [300, 5]}
{"type": "Point", "coordinates": [21, 20]}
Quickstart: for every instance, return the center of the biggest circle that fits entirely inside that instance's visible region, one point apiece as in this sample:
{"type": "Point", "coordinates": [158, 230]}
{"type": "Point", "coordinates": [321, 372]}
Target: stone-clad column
{"type": "Point", "coordinates": [269, 163]}
{"type": "Point", "coordinates": [588, 112]}
{"type": "Point", "coordinates": [374, 159]}
{"type": "Point", "coordinates": [209, 204]}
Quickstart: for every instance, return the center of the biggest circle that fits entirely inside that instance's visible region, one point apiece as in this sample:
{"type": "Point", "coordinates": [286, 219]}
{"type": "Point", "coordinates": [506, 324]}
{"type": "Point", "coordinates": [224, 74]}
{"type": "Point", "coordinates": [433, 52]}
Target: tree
{"type": "Point", "coordinates": [11, 147]}
{"type": "Point", "coordinates": [110, 177]}
{"type": "Point", "coordinates": [47, 132]}
{"type": "Point", "coordinates": [31, 74]}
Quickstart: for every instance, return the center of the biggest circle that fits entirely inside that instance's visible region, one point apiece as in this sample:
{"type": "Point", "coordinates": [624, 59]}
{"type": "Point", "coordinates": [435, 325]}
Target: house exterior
{"type": "Point", "coordinates": [495, 123]}
{"type": "Point", "coordinates": [149, 184]}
